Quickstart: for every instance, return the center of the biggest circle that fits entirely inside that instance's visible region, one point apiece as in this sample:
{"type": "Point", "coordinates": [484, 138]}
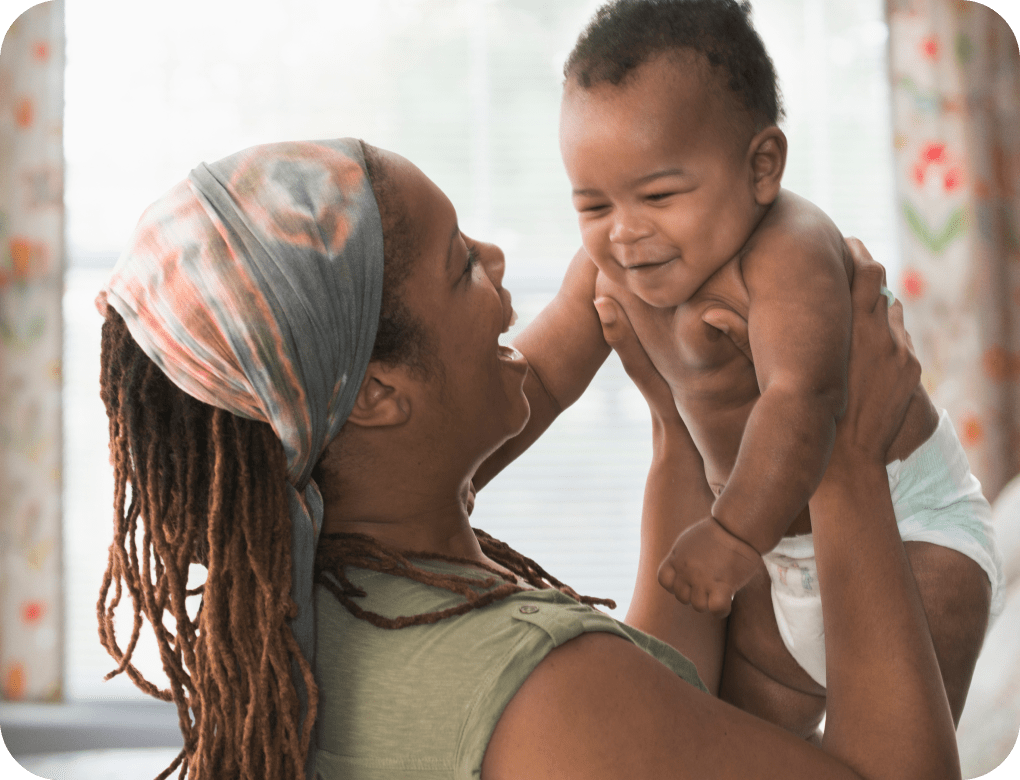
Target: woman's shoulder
{"type": "Point", "coordinates": [423, 697]}
{"type": "Point", "coordinates": [433, 693]}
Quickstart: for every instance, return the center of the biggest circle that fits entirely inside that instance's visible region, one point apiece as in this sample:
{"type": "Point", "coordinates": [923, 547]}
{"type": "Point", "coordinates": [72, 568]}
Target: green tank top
{"type": "Point", "coordinates": [423, 701]}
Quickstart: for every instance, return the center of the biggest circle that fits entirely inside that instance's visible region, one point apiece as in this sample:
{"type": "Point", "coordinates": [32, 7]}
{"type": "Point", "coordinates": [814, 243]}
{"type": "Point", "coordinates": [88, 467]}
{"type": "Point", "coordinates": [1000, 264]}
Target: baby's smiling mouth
{"type": "Point", "coordinates": [648, 265]}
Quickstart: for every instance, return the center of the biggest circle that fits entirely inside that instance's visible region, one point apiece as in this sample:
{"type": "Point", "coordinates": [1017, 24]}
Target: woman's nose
{"type": "Point", "coordinates": [494, 263]}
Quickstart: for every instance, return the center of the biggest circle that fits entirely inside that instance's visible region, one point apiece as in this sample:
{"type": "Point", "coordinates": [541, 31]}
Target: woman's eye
{"type": "Point", "coordinates": [659, 196]}
{"type": "Point", "coordinates": [472, 259]}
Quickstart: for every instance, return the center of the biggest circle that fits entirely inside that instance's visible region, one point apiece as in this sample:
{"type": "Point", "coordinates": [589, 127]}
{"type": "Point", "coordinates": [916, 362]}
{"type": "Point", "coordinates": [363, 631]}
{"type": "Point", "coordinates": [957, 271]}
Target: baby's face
{"type": "Point", "coordinates": [662, 181]}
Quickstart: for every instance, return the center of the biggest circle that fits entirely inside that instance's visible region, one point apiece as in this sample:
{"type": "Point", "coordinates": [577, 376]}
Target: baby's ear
{"type": "Point", "coordinates": [383, 399]}
{"type": "Point", "coordinates": [767, 153]}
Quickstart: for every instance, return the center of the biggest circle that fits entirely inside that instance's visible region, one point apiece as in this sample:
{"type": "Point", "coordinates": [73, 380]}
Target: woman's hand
{"type": "Point", "coordinates": [619, 334]}
{"type": "Point", "coordinates": [883, 372]}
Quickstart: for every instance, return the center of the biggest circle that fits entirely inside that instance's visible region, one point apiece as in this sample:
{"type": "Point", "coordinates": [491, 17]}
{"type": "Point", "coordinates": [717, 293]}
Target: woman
{"type": "Point", "coordinates": [373, 390]}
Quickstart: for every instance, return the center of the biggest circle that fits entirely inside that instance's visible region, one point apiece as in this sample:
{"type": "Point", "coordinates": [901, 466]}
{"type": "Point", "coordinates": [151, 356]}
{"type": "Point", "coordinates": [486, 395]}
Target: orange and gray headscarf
{"type": "Point", "coordinates": [255, 285]}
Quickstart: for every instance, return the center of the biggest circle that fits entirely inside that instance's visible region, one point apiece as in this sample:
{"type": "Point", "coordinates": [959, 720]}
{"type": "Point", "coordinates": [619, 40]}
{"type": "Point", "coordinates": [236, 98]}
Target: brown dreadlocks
{"type": "Point", "coordinates": [208, 488]}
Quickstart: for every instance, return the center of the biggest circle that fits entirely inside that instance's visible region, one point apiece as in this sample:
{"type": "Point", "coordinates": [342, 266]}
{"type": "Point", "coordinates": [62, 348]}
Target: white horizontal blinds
{"type": "Point", "coordinates": [470, 92]}
{"type": "Point", "coordinates": [831, 59]}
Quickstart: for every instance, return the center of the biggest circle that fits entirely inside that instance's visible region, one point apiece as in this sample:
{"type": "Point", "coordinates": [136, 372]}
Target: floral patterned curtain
{"type": "Point", "coordinates": [956, 113]}
{"type": "Point", "coordinates": [955, 73]}
{"type": "Point", "coordinates": [31, 262]}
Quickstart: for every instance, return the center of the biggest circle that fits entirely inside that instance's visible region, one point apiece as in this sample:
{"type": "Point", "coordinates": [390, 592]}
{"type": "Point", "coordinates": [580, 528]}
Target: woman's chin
{"type": "Point", "coordinates": [517, 420]}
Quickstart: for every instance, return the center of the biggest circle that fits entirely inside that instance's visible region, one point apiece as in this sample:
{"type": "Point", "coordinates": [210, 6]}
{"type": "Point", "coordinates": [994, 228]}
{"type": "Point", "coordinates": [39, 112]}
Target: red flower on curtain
{"type": "Point", "coordinates": [912, 284]}
{"type": "Point", "coordinates": [31, 611]}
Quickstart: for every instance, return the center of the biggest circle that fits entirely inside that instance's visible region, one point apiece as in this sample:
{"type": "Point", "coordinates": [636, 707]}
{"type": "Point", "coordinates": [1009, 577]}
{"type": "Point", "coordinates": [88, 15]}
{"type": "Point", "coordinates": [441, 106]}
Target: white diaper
{"type": "Point", "coordinates": [936, 500]}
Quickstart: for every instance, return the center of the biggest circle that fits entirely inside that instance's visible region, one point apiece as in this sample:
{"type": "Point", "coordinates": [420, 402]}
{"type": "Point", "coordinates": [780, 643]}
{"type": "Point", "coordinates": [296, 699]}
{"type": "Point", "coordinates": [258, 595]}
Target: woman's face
{"type": "Point", "coordinates": [455, 289]}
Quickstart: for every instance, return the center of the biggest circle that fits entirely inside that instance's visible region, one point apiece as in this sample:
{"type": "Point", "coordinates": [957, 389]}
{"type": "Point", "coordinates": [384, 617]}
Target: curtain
{"type": "Point", "coordinates": [955, 77]}
{"type": "Point", "coordinates": [31, 261]}
{"type": "Point", "coordinates": [955, 74]}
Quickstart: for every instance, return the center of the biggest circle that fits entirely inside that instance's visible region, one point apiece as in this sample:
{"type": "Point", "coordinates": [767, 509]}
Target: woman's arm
{"type": "Point", "coordinates": [599, 707]}
{"type": "Point", "coordinates": [878, 648]}
{"type": "Point", "coordinates": [676, 496]}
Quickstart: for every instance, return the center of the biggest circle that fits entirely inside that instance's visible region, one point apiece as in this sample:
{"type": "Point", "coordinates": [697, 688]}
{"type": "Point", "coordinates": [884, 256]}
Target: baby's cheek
{"type": "Point", "coordinates": [594, 238]}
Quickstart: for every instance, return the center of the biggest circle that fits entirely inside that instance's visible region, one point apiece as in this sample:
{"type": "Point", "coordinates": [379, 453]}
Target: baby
{"type": "Point", "coordinates": [670, 141]}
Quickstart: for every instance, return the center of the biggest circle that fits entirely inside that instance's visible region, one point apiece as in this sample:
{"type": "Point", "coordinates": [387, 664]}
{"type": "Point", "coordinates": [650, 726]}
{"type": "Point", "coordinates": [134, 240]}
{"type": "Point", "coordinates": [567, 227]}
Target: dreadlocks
{"type": "Point", "coordinates": [208, 488]}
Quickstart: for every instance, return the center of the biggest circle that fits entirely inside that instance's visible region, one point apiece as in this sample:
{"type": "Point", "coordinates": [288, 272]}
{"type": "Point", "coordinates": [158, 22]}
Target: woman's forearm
{"type": "Point", "coordinates": [676, 496]}
{"type": "Point", "coordinates": [887, 712]}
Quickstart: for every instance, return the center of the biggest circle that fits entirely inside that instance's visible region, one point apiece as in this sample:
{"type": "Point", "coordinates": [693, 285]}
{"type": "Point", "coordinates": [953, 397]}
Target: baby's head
{"type": "Point", "coordinates": [668, 133]}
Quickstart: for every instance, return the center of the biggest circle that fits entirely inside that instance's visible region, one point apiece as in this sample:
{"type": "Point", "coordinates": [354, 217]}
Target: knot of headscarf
{"type": "Point", "coordinates": [255, 285]}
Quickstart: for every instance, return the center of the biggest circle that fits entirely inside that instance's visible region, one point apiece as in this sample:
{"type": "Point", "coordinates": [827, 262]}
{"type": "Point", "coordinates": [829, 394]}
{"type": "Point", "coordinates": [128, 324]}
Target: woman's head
{"type": "Point", "coordinates": [257, 272]}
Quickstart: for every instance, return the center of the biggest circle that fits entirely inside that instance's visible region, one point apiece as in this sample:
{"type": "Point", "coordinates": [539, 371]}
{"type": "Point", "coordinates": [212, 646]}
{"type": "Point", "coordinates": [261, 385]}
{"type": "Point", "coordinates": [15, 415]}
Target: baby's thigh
{"type": "Point", "coordinates": [759, 674]}
{"type": "Point", "coordinates": [956, 596]}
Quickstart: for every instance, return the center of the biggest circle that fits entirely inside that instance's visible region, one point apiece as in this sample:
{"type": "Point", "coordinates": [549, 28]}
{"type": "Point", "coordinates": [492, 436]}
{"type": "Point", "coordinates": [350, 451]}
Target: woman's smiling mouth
{"type": "Point", "coordinates": [509, 354]}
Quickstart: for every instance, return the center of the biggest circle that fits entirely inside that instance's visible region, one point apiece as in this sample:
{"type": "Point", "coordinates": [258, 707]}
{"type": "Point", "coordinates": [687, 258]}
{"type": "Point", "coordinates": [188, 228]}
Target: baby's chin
{"type": "Point", "coordinates": [659, 297]}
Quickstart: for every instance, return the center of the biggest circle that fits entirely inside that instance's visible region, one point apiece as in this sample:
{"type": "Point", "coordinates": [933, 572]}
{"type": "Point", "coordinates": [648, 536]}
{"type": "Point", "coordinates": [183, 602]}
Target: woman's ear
{"type": "Point", "coordinates": [383, 399]}
{"type": "Point", "coordinates": [768, 160]}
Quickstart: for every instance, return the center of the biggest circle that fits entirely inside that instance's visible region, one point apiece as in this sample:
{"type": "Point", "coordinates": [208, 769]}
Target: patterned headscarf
{"type": "Point", "coordinates": [255, 285]}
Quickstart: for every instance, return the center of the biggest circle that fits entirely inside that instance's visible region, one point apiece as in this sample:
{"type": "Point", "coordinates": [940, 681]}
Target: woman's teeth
{"type": "Point", "coordinates": [508, 352]}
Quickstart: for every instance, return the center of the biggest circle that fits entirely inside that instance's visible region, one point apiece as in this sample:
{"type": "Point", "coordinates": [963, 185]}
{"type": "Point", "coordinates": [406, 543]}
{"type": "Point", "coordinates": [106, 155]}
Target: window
{"type": "Point", "coordinates": [468, 90]}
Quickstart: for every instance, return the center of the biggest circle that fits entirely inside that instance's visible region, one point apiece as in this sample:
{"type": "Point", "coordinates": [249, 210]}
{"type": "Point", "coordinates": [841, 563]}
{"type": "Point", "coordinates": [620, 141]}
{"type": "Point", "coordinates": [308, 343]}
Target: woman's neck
{"type": "Point", "coordinates": [409, 522]}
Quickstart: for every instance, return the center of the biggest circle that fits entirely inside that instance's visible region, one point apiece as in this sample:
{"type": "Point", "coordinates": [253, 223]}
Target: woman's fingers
{"type": "Point", "coordinates": [883, 373]}
{"type": "Point", "coordinates": [733, 325]}
{"type": "Point", "coordinates": [619, 334]}
{"type": "Point", "coordinates": [869, 278]}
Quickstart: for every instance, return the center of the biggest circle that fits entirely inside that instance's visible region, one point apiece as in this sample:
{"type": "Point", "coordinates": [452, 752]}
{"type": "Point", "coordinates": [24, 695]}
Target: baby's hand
{"type": "Point", "coordinates": [707, 566]}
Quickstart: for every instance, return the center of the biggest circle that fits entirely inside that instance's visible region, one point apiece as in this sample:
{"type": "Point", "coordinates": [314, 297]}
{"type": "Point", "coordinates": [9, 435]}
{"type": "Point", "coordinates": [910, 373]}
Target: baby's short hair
{"type": "Point", "coordinates": [624, 34]}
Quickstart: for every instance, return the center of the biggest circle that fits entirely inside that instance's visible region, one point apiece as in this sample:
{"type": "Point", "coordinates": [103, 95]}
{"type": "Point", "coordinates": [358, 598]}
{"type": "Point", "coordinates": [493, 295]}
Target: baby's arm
{"type": "Point", "coordinates": [799, 323]}
{"type": "Point", "coordinates": [799, 332]}
{"type": "Point", "coordinates": [564, 347]}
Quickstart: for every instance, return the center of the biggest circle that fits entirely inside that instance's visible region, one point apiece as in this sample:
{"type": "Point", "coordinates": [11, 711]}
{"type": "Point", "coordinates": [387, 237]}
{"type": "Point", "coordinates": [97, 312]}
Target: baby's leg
{"type": "Point", "coordinates": [759, 674]}
{"type": "Point", "coordinates": [956, 595]}
{"type": "Point", "coordinates": [761, 677]}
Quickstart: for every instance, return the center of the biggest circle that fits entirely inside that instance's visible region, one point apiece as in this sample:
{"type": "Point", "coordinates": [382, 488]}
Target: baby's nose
{"type": "Point", "coordinates": [627, 228]}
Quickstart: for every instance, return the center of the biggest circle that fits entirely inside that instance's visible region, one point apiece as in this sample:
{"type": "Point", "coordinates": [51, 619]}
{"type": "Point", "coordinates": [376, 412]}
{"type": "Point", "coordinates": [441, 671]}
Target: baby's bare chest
{"type": "Point", "coordinates": [703, 365]}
